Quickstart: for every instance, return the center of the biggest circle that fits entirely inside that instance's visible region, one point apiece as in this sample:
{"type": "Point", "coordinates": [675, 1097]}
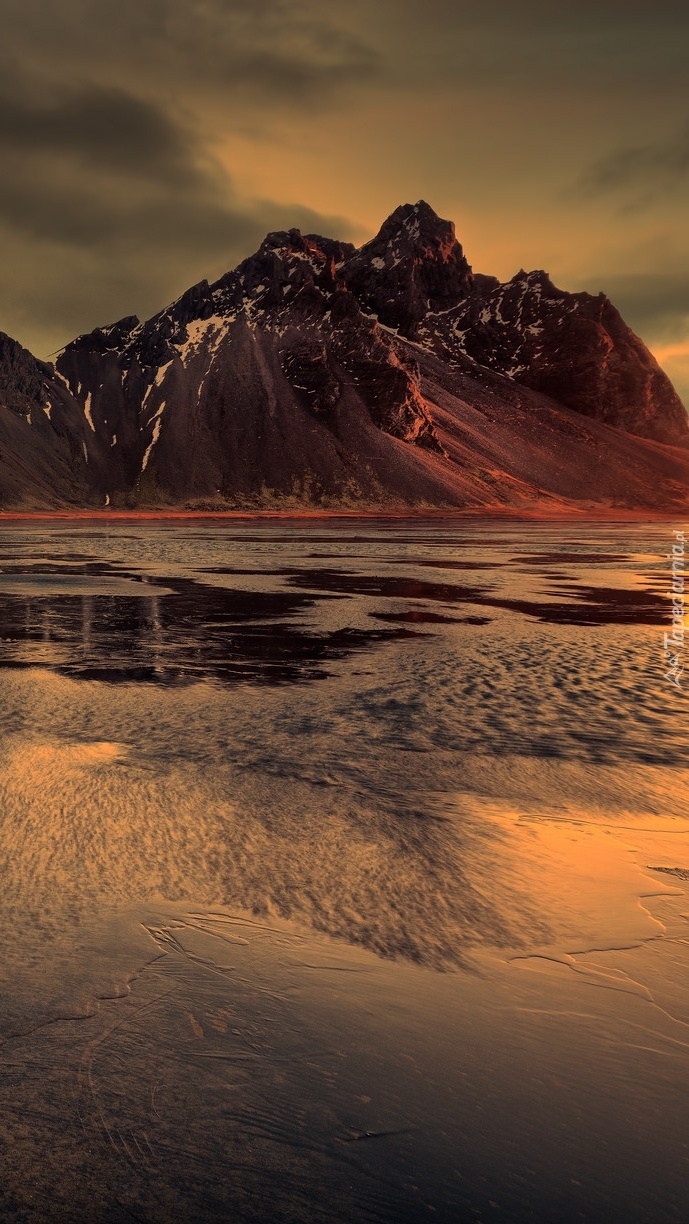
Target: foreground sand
{"type": "Point", "coordinates": [342, 875]}
{"type": "Point", "coordinates": [254, 1071]}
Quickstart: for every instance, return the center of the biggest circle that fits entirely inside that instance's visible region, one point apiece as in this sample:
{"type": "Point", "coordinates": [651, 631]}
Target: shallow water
{"type": "Point", "coordinates": [342, 873]}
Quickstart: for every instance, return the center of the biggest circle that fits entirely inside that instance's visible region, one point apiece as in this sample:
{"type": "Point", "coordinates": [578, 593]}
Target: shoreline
{"type": "Point", "coordinates": [493, 514]}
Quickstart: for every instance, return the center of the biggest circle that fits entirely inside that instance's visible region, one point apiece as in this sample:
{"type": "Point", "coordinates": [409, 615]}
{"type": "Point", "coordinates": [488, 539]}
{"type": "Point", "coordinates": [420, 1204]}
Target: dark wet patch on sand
{"type": "Point", "coordinates": [181, 633]}
{"type": "Point", "coordinates": [443, 563]}
{"type": "Point", "coordinates": [584, 606]}
{"type": "Point", "coordinates": [422, 616]}
{"type": "Point", "coordinates": [602, 605]}
{"type": "Point", "coordinates": [185, 631]}
{"type": "Point", "coordinates": [578, 558]}
{"type": "Point", "coordinates": [390, 587]}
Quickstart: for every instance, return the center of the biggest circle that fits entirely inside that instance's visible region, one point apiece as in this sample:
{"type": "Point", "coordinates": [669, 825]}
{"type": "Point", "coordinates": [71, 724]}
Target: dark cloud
{"type": "Point", "coordinates": [109, 205]}
{"type": "Point", "coordinates": [642, 172]}
{"type": "Point", "coordinates": [305, 52]}
{"type": "Point", "coordinates": [100, 165]}
{"type": "Point", "coordinates": [536, 46]}
{"type": "Point", "coordinates": [117, 214]}
{"type": "Point", "coordinates": [535, 16]}
{"type": "Point", "coordinates": [111, 197]}
{"type": "Point", "coordinates": [655, 304]}
{"type": "Point", "coordinates": [283, 50]}
{"type": "Point", "coordinates": [99, 126]}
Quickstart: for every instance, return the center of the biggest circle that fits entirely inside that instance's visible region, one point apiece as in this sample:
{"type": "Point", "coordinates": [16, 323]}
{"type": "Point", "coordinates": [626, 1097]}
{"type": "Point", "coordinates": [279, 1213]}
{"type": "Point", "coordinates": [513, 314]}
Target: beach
{"type": "Point", "coordinates": [343, 872]}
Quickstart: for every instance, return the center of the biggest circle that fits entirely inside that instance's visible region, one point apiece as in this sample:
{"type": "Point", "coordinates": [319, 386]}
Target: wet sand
{"type": "Point", "coordinates": [312, 920]}
{"type": "Point", "coordinates": [256, 1072]}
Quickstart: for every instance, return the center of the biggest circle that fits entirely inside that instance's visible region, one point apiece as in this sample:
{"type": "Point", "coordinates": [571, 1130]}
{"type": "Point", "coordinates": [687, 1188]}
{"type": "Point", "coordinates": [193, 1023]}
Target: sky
{"type": "Point", "coordinates": [146, 144]}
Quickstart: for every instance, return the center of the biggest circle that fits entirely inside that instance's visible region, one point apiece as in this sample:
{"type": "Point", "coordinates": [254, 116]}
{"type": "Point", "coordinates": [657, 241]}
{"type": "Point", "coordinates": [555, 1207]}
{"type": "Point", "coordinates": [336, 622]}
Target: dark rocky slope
{"type": "Point", "coordinates": [320, 375]}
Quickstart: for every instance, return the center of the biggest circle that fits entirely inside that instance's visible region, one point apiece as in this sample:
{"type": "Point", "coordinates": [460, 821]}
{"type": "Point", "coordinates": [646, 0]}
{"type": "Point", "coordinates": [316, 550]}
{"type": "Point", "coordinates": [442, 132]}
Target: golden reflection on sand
{"type": "Point", "coordinates": [409, 943]}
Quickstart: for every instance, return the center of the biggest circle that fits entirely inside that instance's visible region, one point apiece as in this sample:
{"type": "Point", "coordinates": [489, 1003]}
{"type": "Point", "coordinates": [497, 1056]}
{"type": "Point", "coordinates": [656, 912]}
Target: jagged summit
{"type": "Point", "coordinates": [316, 373]}
{"type": "Point", "coordinates": [413, 265]}
{"type": "Point", "coordinates": [419, 225]}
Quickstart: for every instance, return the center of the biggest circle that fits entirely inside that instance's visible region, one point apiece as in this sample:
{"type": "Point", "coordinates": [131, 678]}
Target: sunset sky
{"type": "Point", "coordinates": [148, 144]}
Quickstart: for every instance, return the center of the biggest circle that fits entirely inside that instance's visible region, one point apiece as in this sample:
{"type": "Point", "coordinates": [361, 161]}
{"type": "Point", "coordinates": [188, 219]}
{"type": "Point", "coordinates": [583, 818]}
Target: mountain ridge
{"type": "Point", "coordinates": [319, 374]}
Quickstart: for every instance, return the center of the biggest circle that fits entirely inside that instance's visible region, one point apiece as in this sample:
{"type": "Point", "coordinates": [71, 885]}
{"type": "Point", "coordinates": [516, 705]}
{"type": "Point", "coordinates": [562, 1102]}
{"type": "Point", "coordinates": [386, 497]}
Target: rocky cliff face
{"type": "Point", "coordinates": [318, 374]}
{"type": "Point", "coordinates": [42, 459]}
{"type": "Point", "coordinates": [413, 267]}
{"type": "Point", "coordinates": [571, 346]}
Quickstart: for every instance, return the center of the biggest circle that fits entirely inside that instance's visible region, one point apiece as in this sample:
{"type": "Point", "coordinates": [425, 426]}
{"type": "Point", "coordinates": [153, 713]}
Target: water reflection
{"type": "Point", "coordinates": [175, 634]}
{"type": "Point", "coordinates": [134, 615]}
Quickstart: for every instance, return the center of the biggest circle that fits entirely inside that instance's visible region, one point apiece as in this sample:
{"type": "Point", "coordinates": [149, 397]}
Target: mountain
{"type": "Point", "coordinates": [317, 374]}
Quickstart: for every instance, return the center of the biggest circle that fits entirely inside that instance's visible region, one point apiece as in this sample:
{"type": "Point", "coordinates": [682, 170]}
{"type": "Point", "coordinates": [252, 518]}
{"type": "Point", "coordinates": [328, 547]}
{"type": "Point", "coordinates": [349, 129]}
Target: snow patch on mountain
{"type": "Point", "coordinates": [87, 412]}
{"type": "Point", "coordinates": [156, 421]}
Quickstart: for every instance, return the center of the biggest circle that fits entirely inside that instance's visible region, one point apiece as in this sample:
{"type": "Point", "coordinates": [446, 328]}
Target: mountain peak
{"type": "Point", "coordinates": [413, 265]}
{"type": "Point", "coordinates": [418, 226]}
{"type": "Point", "coordinates": [416, 219]}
